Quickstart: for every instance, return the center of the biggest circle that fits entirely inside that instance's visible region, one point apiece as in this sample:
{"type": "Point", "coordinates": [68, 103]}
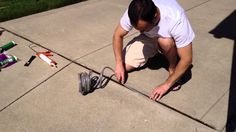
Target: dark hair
{"type": "Point", "coordinates": [141, 10]}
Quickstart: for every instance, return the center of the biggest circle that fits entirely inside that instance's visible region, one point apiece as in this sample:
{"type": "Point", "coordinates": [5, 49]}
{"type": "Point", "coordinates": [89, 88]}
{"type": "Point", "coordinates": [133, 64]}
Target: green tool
{"type": "Point", "coordinates": [7, 46]}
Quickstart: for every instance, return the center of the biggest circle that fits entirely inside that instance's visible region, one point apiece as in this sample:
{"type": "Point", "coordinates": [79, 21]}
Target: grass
{"type": "Point", "coordinates": [11, 9]}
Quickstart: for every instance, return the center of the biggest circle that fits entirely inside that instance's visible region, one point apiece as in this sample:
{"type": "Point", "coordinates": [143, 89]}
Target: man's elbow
{"type": "Point", "coordinates": [188, 60]}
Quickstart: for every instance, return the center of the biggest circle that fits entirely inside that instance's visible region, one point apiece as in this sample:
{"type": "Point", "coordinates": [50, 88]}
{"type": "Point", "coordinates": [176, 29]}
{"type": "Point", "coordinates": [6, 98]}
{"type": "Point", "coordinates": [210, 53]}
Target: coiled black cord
{"type": "Point", "coordinates": [89, 83]}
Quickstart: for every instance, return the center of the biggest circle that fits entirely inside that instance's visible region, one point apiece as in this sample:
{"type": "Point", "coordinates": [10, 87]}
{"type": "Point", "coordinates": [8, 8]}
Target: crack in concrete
{"type": "Point", "coordinates": [34, 88]}
{"type": "Point", "coordinates": [197, 5]}
{"type": "Point", "coordinates": [96, 50]}
{"type": "Point", "coordinates": [213, 105]}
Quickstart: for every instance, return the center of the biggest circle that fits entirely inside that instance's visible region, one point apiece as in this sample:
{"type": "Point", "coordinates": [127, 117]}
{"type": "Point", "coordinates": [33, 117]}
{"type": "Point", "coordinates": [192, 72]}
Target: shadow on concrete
{"type": "Point", "coordinates": [227, 29]}
{"type": "Point", "coordinates": [159, 61]}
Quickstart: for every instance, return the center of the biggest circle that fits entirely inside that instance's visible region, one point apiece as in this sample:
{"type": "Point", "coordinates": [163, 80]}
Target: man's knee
{"type": "Point", "coordinates": [138, 51]}
{"type": "Point", "coordinates": [166, 44]}
{"type": "Point", "coordinates": [129, 68]}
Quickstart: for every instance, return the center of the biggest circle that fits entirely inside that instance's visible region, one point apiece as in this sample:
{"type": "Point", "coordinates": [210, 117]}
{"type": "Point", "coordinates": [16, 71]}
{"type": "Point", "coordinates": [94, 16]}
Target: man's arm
{"type": "Point", "coordinates": [117, 48]}
{"type": "Point", "coordinates": [185, 61]}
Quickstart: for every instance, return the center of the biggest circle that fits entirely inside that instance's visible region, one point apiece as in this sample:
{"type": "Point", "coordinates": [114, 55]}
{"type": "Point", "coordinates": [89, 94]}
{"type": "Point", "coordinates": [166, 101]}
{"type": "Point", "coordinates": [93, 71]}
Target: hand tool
{"type": "Point", "coordinates": [44, 56]}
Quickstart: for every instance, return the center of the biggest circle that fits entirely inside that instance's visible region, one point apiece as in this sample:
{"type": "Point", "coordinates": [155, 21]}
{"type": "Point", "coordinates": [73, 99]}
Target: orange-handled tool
{"type": "Point", "coordinates": [44, 57]}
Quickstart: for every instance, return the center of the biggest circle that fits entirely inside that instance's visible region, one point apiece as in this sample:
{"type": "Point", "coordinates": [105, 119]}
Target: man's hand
{"type": "Point", "coordinates": [185, 61]}
{"type": "Point", "coordinates": [159, 91]}
{"type": "Point", "coordinates": [120, 73]}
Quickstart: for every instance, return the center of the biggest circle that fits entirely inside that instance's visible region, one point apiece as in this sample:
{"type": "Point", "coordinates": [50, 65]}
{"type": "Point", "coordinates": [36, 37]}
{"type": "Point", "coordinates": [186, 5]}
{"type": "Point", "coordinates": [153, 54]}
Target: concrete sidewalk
{"type": "Point", "coordinates": [42, 98]}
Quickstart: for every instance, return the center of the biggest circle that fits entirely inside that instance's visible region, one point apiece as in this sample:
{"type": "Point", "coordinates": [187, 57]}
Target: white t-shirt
{"type": "Point", "coordinates": [173, 23]}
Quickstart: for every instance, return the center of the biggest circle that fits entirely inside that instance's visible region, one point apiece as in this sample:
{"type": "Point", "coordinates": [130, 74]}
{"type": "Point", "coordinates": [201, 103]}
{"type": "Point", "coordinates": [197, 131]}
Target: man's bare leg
{"type": "Point", "coordinates": [168, 48]}
{"type": "Point", "coordinates": [129, 68]}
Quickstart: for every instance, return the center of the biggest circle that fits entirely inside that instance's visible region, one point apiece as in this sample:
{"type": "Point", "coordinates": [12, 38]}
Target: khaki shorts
{"type": "Point", "coordinates": [137, 52]}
